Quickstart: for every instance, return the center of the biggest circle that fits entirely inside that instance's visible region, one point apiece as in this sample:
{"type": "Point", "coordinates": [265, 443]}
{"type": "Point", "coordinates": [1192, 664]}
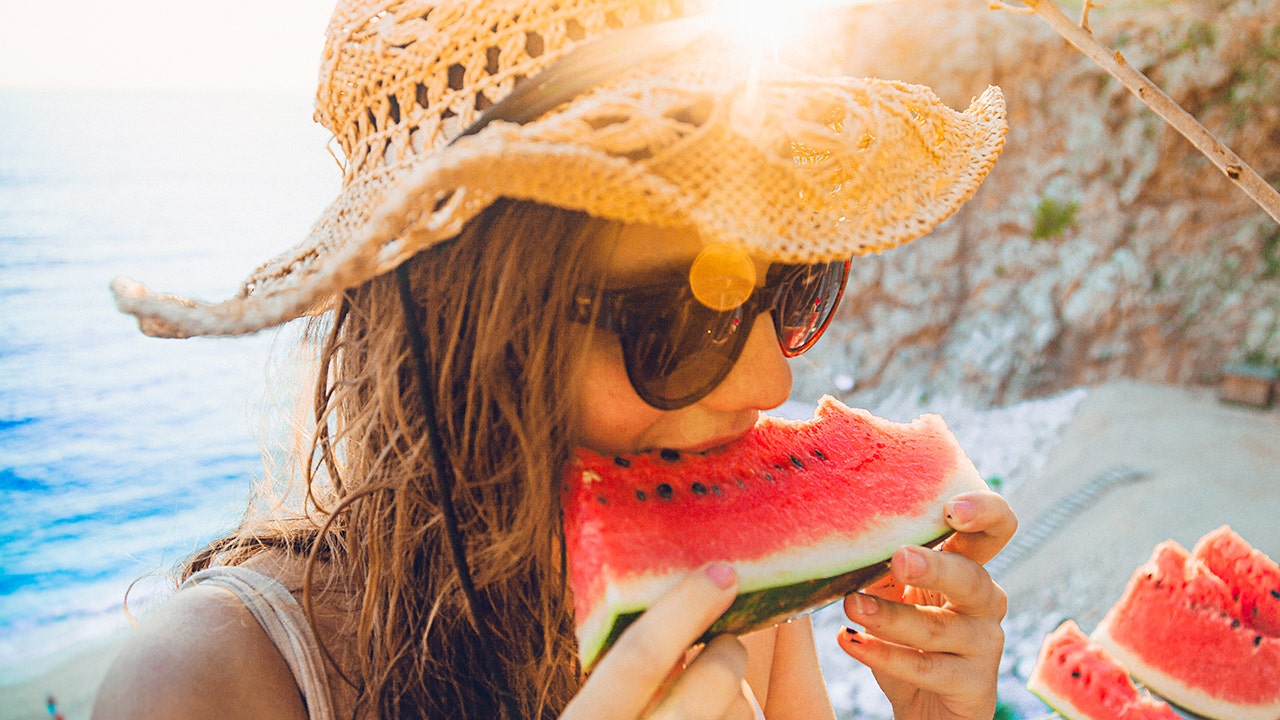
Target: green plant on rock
{"type": "Point", "coordinates": [1201, 34]}
{"type": "Point", "coordinates": [1270, 252]}
{"type": "Point", "coordinates": [1053, 217]}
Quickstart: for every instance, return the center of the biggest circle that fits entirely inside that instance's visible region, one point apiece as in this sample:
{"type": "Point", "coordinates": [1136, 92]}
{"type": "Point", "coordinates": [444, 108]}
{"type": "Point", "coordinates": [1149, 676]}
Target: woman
{"type": "Point", "coordinates": [475, 292]}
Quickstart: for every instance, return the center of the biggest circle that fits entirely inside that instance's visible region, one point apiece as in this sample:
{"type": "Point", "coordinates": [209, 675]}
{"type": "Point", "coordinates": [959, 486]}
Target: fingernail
{"type": "Point", "coordinates": [722, 574]}
{"type": "Point", "coordinates": [865, 604]}
{"type": "Point", "coordinates": [910, 563]}
{"type": "Point", "coordinates": [852, 635]}
{"type": "Point", "coordinates": [961, 511]}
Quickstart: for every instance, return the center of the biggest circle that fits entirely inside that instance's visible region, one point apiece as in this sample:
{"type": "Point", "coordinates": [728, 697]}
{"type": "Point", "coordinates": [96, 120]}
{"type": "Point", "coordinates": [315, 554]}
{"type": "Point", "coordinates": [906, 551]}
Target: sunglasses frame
{"type": "Point", "coordinates": [615, 310]}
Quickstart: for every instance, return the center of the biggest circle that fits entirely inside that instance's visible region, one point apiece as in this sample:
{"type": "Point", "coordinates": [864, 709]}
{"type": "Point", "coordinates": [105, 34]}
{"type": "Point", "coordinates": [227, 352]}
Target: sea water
{"type": "Point", "coordinates": [120, 454]}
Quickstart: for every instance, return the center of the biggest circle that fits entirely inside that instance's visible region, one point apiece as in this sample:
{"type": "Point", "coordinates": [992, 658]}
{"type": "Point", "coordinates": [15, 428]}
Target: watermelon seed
{"type": "Point", "coordinates": [699, 489]}
{"type": "Point", "coordinates": [670, 455]}
{"type": "Point", "coordinates": [1257, 640]}
{"type": "Point", "coordinates": [641, 496]}
{"type": "Point", "coordinates": [665, 491]}
{"type": "Point", "coordinates": [1075, 673]}
{"type": "Point", "coordinates": [769, 476]}
{"type": "Point", "coordinates": [818, 452]}
{"type": "Point", "coordinates": [621, 461]}
{"type": "Point", "coordinates": [601, 499]}
{"type": "Point", "coordinates": [715, 490]}
{"type": "Point", "coordinates": [796, 461]}
{"type": "Point", "coordinates": [1275, 594]}
{"type": "Point", "coordinates": [1235, 623]}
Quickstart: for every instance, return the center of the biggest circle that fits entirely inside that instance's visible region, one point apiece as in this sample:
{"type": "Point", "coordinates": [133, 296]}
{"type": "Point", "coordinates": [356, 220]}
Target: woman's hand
{"type": "Point", "coordinates": [643, 674]}
{"type": "Point", "coordinates": [932, 635]}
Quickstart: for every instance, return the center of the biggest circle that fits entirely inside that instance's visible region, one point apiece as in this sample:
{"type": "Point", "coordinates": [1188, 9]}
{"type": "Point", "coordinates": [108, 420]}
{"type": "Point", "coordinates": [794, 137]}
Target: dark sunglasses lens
{"type": "Point", "coordinates": [807, 300]}
{"type": "Point", "coordinates": [681, 350]}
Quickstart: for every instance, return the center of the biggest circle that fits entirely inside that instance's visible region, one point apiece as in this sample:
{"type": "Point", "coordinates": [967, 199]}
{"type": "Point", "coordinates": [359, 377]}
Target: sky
{"type": "Point", "coordinates": [161, 44]}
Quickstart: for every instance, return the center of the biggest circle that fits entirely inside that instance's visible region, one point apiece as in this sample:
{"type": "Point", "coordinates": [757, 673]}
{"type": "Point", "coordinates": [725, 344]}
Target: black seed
{"type": "Point", "coordinates": [1257, 640]}
{"type": "Point", "coordinates": [622, 461]}
{"type": "Point", "coordinates": [670, 455]}
{"type": "Point", "coordinates": [1234, 623]}
{"type": "Point", "coordinates": [777, 466]}
{"type": "Point", "coordinates": [665, 491]}
{"type": "Point", "coordinates": [1075, 673]}
{"type": "Point", "coordinates": [796, 461]}
{"type": "Point", "coordinates": [715, 490]}
{"type": "Point", "coordinates": [699, 489]}
{"type": "Point", "coordinates": [769, 476]}
{"type": "Point", "coordinates": [641, 496]}
{"type": "Point", "coordinates": [740, 483]}
{"type": "Point", "coordinates": [601, 499]}
{"type": "Point", "coordinates": [818, 452]}
{"type": "Point", "coordinates": [1275, 594]}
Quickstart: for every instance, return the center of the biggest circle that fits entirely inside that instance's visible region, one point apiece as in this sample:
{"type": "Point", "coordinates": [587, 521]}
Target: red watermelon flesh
{"type": "Point", "coordinates": [1177, 629]}
{"type": "Point", "coordinates": [1252, 578]}
{"type": "Point", "coordinates": [805, 511]}
{"type": "Point", "coordinates": [1082, 681]}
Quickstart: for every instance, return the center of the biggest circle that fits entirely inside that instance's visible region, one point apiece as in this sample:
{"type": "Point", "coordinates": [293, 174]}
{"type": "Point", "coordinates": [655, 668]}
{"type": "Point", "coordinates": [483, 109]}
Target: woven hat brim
{"type": "Point", "coordinates": [789, 167]}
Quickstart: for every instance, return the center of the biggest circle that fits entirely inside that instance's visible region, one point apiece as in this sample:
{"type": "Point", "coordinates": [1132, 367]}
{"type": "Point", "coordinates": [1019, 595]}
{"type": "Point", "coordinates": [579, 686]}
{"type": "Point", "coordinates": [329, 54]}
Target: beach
{"type": "Point", "coordinates": [1203, 463]}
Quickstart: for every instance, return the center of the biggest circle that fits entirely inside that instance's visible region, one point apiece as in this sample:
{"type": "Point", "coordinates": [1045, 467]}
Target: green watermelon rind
{"type": "Point", "coordinates": [760, 605]}
{"type": "Point", "coordinates": [767, 606]}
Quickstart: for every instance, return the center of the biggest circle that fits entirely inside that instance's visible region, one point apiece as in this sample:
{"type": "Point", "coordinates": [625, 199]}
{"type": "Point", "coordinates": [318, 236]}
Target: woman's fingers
{"type": "Point", "coordinates": [639, 663]}
{"type": "Point", "coordinates": [983, 522]}
{"type": "Point", "coordinates": [949, 647]}
{"type": "Point", "coordinates": [711, 688]}
{"type": "Point", "coordinates": [967, 591]}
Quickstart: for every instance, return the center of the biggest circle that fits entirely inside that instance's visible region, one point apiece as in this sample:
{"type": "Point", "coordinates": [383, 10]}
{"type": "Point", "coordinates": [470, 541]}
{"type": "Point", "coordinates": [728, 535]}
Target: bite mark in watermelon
{"type": "Point", "coordinates": [805, 511]}
{"type": "Point", "coordinates": [1082, 681]}
{"type": "Point", "coordinates": [1189, 635]}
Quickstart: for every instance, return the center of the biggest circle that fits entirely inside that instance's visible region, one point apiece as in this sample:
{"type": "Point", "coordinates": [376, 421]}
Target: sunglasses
{"type": "Point", "coordinates": [677, 350]}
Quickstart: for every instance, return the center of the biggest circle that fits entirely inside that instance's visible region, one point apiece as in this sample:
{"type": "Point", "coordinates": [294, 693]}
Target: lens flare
{"type": "Point", "coordinates": [722, 277]}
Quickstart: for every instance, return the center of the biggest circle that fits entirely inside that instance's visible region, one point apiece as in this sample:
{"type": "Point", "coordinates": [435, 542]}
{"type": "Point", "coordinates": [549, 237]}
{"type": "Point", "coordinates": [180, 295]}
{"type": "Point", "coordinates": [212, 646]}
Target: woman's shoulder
{"type": "Point", "coordinates": [200, 654]}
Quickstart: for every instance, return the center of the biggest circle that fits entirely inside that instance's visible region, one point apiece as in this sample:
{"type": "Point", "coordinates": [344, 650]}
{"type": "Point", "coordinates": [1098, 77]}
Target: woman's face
{"type": "Point", "coordinates": [616, 420]}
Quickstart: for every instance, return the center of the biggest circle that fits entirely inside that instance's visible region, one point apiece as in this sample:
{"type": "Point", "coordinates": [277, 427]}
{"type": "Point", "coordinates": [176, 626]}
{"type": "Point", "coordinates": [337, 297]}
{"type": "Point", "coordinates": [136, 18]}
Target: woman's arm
{"type": "Point", "coordinates": [200, 655]}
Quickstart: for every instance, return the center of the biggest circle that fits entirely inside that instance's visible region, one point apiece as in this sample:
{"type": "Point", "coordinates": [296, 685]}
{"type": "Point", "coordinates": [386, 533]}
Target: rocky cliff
{"type": "Point", "coordinates": [1103, 245]}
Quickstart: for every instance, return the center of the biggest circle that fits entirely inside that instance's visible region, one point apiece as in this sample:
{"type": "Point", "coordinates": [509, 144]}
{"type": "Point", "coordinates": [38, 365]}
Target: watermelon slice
{"type": "Point", "coordinates": [1189, 634]}
{"type": "Point", "coordinates": [1252, 578]}
{"type": "Point", "coordinates": [1082, 681]}
{"type": "Point", "coordinates": [806, 512]}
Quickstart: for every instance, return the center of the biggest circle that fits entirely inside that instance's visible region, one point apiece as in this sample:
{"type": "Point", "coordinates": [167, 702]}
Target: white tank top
{"type": "Point", "coordinates": [285, 623]}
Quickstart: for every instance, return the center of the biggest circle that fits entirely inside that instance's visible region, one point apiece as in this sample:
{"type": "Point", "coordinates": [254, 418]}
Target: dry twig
{"type": "Point", "coordinates": [1262, 193]}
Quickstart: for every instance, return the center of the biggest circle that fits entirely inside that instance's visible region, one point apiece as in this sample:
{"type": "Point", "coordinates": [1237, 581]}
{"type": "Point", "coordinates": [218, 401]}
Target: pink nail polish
{"type": "Point", "coordinates": [910, 563]}
{"type": "Point", "coordinates": [961, 511]}
{"type": "Point", "coordinates": [722, 574]}
{"type": "Point", "coordinates": [865, 604]}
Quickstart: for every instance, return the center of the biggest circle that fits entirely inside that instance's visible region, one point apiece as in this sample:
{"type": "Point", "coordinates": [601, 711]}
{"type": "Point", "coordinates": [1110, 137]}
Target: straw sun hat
{"type": "Point", "coordinates": [631, 110]}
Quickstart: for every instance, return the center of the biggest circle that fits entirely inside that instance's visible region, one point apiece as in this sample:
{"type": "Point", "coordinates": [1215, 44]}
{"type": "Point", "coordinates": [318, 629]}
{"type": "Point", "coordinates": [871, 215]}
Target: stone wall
{"type": "Point", "coordinates": [1103, 245]}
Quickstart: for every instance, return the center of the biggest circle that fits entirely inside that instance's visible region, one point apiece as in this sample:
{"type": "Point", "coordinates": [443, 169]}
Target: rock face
{"type": "Point", "coordinates": [1103, 245]}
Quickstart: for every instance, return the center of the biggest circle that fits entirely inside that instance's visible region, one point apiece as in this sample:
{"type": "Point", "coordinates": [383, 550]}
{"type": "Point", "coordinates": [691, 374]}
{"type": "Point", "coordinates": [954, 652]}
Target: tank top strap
{"type": "Point", "coordinates": [285, 623]}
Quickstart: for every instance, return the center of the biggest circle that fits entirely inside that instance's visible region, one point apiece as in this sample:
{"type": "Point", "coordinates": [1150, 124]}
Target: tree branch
{"type": "Point", "coordinates": [1237, 170]}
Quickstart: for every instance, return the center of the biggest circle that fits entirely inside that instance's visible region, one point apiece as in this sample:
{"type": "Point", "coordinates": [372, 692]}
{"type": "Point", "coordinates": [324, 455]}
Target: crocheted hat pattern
{"type": "Point", "coordinates": [790, 167]}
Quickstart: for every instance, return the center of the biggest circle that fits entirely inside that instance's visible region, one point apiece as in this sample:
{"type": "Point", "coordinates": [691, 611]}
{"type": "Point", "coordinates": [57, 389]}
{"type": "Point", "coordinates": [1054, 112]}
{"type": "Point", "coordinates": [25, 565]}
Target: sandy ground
{"type": "Point", "coordinates": [1203, 464]}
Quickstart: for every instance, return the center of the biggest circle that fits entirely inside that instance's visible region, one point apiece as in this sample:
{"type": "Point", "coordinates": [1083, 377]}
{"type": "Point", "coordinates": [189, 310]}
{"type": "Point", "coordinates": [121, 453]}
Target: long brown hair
{"type": "Point", "coordinates": [494, 306]}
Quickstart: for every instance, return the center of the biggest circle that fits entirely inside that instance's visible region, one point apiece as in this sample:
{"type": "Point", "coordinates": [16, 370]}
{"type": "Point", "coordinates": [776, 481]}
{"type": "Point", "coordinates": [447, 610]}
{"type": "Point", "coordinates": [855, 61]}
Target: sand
{"type": "Point", "coordinates": [1204, 463]}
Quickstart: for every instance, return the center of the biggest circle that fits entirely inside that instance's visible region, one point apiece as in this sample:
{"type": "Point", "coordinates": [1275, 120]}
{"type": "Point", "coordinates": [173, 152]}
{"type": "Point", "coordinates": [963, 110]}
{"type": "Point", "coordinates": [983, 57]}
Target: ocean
{"type": "Point", "coordinates": [120, 454]}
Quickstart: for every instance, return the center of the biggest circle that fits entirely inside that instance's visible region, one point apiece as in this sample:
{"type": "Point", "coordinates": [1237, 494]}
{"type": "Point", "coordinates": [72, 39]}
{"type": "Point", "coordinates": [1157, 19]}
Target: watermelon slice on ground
{"type": "Point", "coordinates": [1252, 578]}
{"type": "Point", "coordinates": [1182, 630]}
{"type": "Point", "coordinates": [1082, 681]}
{"type": "Point", "coordinates": [805, 511]}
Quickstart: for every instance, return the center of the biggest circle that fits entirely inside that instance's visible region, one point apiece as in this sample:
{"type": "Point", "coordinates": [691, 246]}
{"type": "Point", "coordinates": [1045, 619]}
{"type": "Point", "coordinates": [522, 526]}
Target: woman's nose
{"type": "Point", "coordinates": [761, 378]}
